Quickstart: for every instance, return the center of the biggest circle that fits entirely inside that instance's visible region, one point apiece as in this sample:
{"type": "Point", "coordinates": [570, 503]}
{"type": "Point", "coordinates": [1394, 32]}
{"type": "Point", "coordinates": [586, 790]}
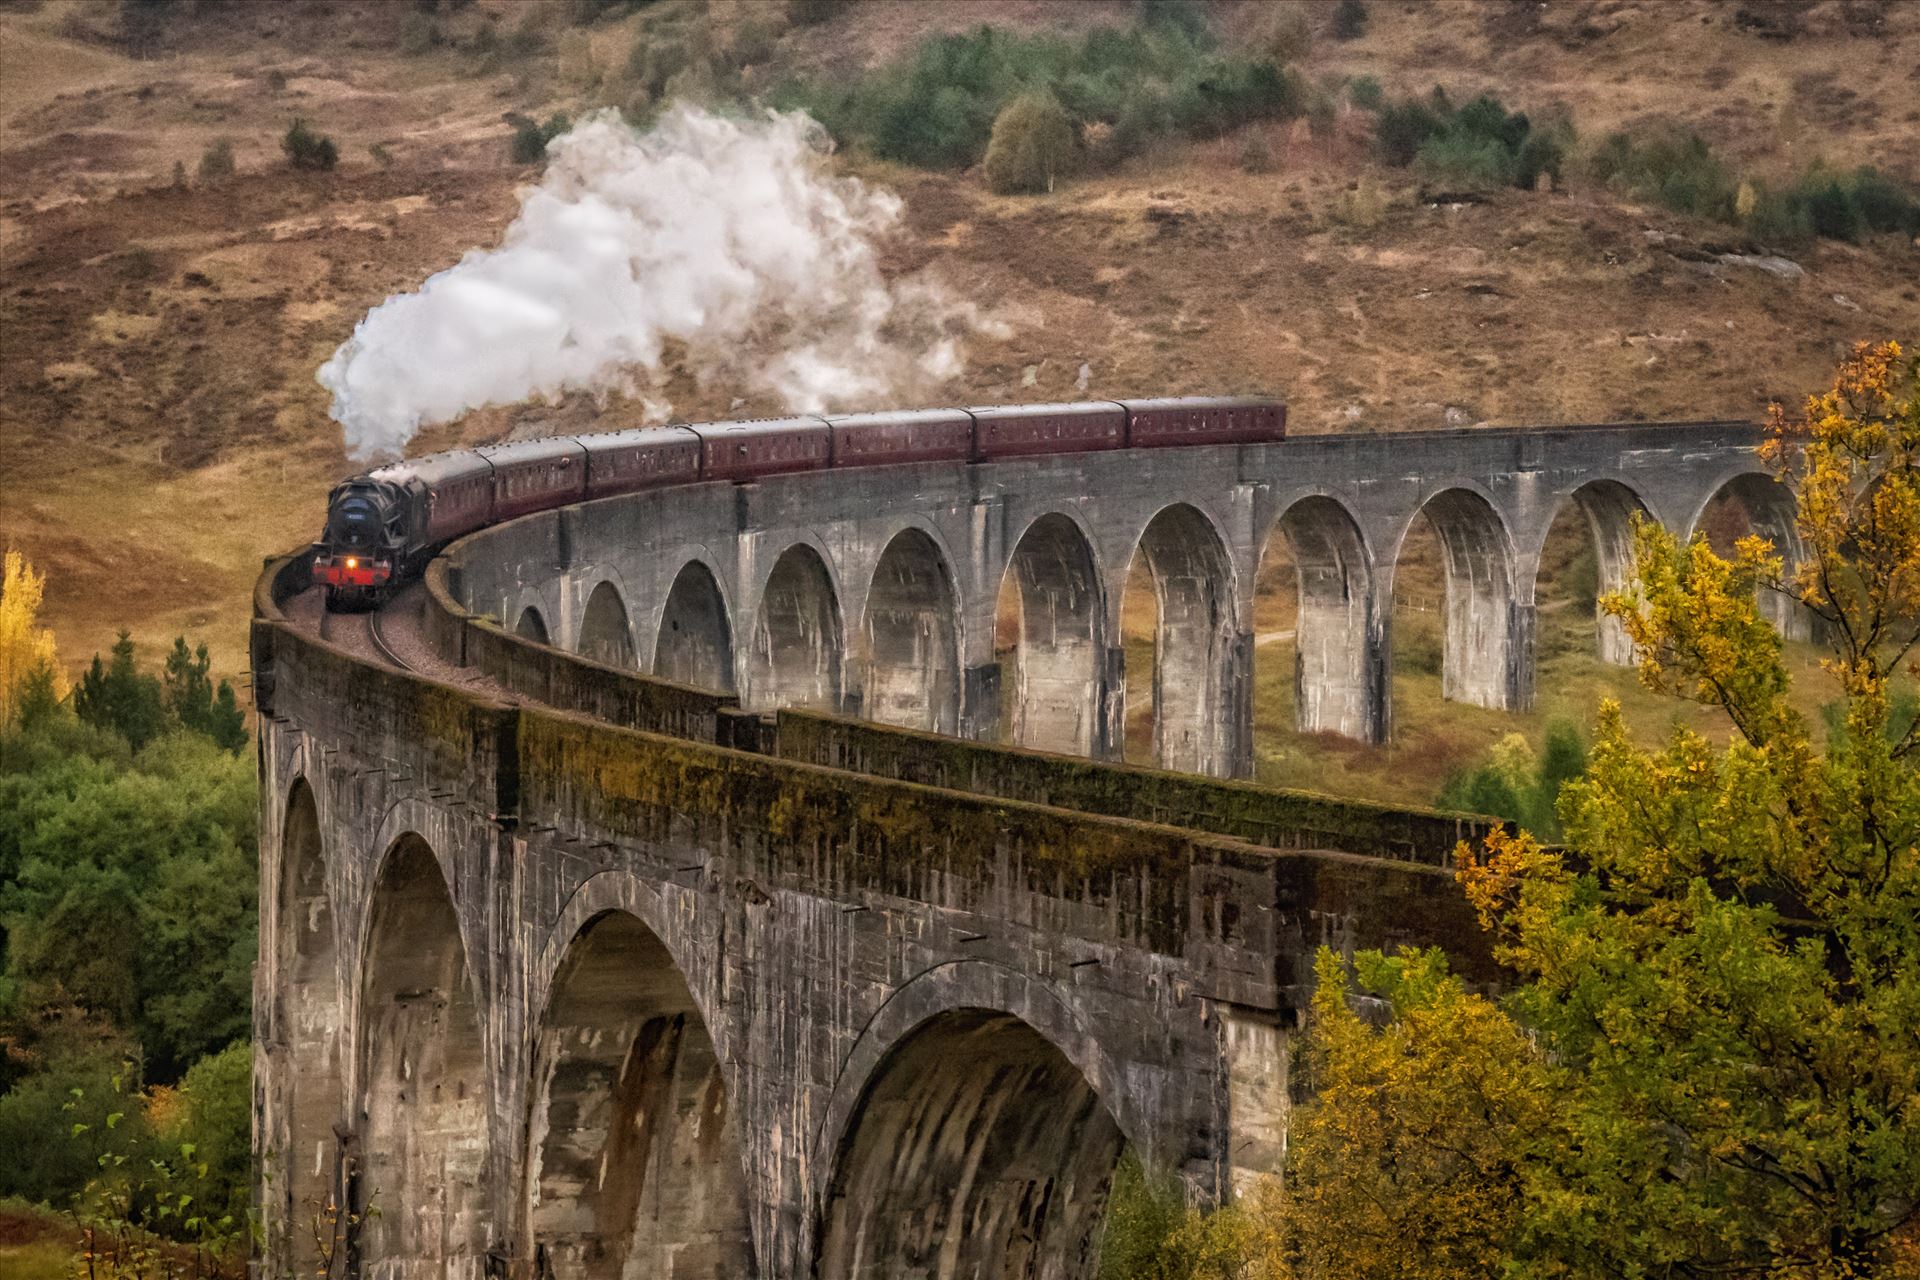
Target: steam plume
{"type": "Point", "coordinates": [731, 237]}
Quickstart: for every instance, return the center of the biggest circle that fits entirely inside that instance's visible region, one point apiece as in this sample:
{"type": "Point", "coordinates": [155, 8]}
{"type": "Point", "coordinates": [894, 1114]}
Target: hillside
{"type": "Point", "coordinates": [163, 431]}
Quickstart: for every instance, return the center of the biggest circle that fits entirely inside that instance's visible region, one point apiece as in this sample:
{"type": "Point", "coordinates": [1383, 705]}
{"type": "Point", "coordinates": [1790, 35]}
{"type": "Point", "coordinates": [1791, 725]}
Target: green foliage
{"type": "Point", "coordinates": [530, 138]}
{"type": "Point", "coordinates": [1402, 129]}
{"type": "Point", "coordinates": [120, 697]}
{"type": "Point", "coordinates": [216, 161]}
{"type": "Point", "coordinates": [1365, 91]}
{"type": "Point", "coordinates": [1515, 784]}
{"type": "Point", "coordinates": [1478, 145]}
{"type": "Point", "coordinates": [55, 1124]}
{"type": "Point", "coordinates": [1350, 19]}
{"type": "Point", "coordinates": [145, 1210]}
{"type": "Point", "coordinates": [1032, 143]}
{"type": "Point", "coordinates": [936, 109]}
{"type": "Point", "coordinates": [1151, 1233]}
{"type": "Point", "coordinates": [38, 699]}
{"type": "Point", "coordinates": [1677, 171]}
{"type": "Point", "coordinates": [211, 1120]}
{"type": "Point", "coordinates": [1183, 16]}
{"type": "Point", "coordinates": [306, 149]}
{"type": "Point", "coordinates": [1721, 977]}
{"type": "Point", "coordinates": [1144, 1214]}
{"type": "Point", "coordinates": [127, 885]}
{"type": "Point", "coordinates": [196, 704]}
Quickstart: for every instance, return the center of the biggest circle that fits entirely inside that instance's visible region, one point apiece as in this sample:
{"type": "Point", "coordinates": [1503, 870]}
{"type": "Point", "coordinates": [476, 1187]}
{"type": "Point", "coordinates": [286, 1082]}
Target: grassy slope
{"type": "Point", "coordinates": [162, 430]}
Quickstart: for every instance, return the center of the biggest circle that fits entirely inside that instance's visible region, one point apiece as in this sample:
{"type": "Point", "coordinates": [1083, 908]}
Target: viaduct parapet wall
{"type": "Point", "coordinates": [875, 593]}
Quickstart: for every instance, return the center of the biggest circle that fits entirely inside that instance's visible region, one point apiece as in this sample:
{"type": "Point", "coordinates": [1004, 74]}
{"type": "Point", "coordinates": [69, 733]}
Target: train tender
{"type": "Point", "coordinates": [383, 526]}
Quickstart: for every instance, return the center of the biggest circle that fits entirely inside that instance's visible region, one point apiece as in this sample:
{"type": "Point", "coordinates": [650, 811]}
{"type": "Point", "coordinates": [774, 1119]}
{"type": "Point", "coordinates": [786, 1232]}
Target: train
{"type": "Point", "coordinates": [384, 525]}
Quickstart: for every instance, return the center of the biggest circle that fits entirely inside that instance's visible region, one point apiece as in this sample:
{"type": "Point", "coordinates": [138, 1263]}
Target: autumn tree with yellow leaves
{"type": "Point", "coordinates": [1709, 1064]}
{"type": "Point", "coordinates": [27, 656]}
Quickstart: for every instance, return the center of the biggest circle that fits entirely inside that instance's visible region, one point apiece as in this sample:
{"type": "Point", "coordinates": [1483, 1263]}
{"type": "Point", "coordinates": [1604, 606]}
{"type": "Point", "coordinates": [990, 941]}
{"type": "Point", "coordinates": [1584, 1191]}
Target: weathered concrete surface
{"type": "Point", "coordinates": [540, 994]}
{"type": "Point", "coordinates": [557, 997]}
{"type": "Point", "coordinates": [874, 592]}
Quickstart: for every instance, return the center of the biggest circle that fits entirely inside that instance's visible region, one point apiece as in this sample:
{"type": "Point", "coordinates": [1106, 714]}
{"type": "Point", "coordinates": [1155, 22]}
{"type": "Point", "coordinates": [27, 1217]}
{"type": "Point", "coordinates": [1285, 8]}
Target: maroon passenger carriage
{"type": "Point", "coordinates": [384, 525]}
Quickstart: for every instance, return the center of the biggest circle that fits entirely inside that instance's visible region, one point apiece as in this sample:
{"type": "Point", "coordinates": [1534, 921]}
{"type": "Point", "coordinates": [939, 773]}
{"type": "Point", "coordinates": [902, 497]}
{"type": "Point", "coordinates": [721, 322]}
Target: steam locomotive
{"type": "Point", "coordinates": [384, 525]}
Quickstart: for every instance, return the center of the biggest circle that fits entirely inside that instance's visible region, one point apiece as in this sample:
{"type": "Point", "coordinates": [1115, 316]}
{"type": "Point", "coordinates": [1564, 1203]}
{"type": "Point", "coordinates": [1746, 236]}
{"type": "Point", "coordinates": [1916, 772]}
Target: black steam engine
{"type": "Point", "coordinates": [383, 526]}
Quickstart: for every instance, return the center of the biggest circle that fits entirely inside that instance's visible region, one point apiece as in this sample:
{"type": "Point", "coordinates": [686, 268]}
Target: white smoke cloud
{"type": "Point", "coordinates": [731, 237]}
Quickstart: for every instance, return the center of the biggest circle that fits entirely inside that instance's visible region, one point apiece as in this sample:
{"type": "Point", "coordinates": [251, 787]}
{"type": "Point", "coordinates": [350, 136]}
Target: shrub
{"type": "Point", "coordinates": [309, 150]}
{"type": "Point", "coordinates": [1183, 16]}
{"type": "Point", "coordinates": [1514, 783]}
{"type": "Point", "coordinates": [1365, 92]}
{"type": "Point", "coordinates": [808, 12]}
{"type": "Point", "coordinates": [1678, 171]}
{"type": "Point", "coordinates": [379, 154]}
{"type": "Point", "coordinates": [936, 109]}
{"type": "Point", "coordinates": [1285, 35]}
{"type": "Point", "coordinates": [216, 161]}
{"type": "Point", "coordinates": [1540, 154]}
{"type": "Point", "coordinates": [1402, 130]}
{"type": "Point", "coordinates": [276, 81]}
{"type": "Point", "coordinates": [418, 33]}
{"type": "Point", "coordinates": [1884, 204]}
{"type": "Point", "coordinates": [1362, 207]}
{"type": "Point", "coordinates": [1032, 144]}
{"type": "Point", "coordinates": [1350, 20]}
{"type": "Point", "coordinates": [1465, 159]}
{"type": "Point", "coordinates": [211, 1119]}
{"type": "Point", "coordinates": [530, 138]}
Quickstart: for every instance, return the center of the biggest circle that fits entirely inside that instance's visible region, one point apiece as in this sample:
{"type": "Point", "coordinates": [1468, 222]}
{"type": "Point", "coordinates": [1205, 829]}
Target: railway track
{"type": "Point", "coordinates": [380, 644]}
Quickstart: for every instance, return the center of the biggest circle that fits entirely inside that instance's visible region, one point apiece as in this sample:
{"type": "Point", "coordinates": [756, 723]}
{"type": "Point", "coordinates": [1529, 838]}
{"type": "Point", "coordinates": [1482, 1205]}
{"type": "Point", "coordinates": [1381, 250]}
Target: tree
{"type": "Point", "coordinates": [1710, 1062]}
{"type": "Point", "coordinates": [26, 649]}
{"type": "Point", "coordinates": [1350, 19]}
{"type": "Point", "coordinates": [120, 697]}
{"type": "Point", "coordinates": [1404, 1163]}
{"type": "Point", "coordinates": [192, 699]}
{"type": "Point", "coordinates": [307, 149]}
{"type": "Point", "coordinates": [1727, 961]}
{"type": "Point", "coordinates": [1032, 143]}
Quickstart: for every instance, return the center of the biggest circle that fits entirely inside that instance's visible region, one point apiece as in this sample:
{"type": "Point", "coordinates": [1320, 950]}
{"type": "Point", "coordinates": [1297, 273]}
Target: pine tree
{"type": "Point", "coordinates": [118, 696]}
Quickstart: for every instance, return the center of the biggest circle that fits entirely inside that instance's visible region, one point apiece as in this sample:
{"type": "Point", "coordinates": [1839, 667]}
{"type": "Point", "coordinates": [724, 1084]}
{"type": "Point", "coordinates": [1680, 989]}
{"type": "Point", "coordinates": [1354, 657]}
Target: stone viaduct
{"type": "Point", "coordinates": [641, 895]}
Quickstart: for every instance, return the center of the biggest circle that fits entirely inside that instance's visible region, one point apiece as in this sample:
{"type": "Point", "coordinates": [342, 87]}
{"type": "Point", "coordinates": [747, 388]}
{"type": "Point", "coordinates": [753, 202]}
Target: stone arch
{"type": "Point", "coordinates": [532, 626]}
{"type": "Point", "coordinates": [1771, 511]}
{"type": "Point", "coordinates": [422, 1110]}
{"type": "Point", "coordinates": [978, 1150]}
{"type": "Point", "coordinates": [909, 639]}
{"type": "Point", "coordinates": [1338, 666]}
{"type": "Point", "coordinates": [633, 1161]}
{"type": "Point", "coordinates": [1476, 552]}
{"type": "Point", "coordinates": [309, 1020]}
{"type": "Point", "coordinates": [1194, 668]}
{"type": "Point", "coordinates": [1609, 507]}
{"type": "Point", "coordinates": [1055, 689]}
{"type": "Point", "coordinates": [695, 645]}
{"type": "Point", "coordinates": [605, 634]}
{"type": "Point", "coordinates": [797, 647]}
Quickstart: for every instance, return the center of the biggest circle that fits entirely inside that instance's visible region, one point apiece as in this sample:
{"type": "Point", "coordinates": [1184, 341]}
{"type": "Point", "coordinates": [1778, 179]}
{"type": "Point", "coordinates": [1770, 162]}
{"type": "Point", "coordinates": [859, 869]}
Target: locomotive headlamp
{"type": "Point", "coordinates": [352, 563]}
